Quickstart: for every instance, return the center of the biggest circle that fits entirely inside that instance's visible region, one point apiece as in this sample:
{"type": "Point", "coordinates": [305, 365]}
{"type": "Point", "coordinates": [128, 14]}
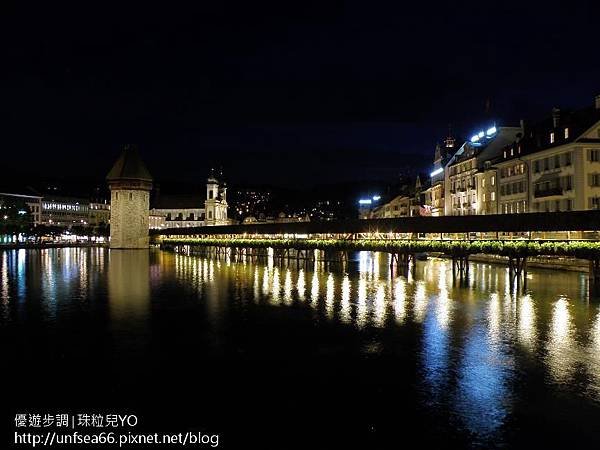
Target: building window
{"type": "Point", "coordinates": [552, 138]}
{"type": "Point", "coordinates": [493, 196]}
{"type": "Point", "coordinates": [594, 155]}
{"type": "Point", "coordinates": [568, 159]}
{"type": "Point", "coordinates": [566, 133]}
{"type": "Point", "coordinates": [483, 182]}
{"type": "Point", "coordinates": [594, 179]}
{"type": "Point", "coordinates": [536, 166]}
{"type": "Point", "coordinates": [493, 181]}
{"type": "Point", "coordinates": [556, 161]}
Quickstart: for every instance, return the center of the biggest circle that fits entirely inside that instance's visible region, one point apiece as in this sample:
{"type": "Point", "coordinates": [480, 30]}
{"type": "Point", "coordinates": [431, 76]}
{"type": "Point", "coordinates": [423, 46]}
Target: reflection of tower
{"type": "Point", "coordinates": [130, 184]}
{"type": "Point", "coordinates": [129, 297]}
{"type": "Point", "coordinates": [216, 201]}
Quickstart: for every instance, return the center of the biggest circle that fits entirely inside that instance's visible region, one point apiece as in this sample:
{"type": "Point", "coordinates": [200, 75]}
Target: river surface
{"type": "Point", "coordinates": [315, 356]}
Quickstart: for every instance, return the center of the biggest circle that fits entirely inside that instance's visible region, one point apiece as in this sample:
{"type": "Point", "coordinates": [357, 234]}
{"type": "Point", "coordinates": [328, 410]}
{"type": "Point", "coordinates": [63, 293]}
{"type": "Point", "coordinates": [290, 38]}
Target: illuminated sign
{"type": "Point", "coordinates": [436, 172]}
{"type": "Point", "coordinates": [476, 138]}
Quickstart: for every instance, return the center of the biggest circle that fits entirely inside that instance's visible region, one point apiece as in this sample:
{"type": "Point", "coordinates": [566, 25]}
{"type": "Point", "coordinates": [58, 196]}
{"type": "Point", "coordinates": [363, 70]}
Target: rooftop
{"type": "Point", "coordinates": [129, 166]}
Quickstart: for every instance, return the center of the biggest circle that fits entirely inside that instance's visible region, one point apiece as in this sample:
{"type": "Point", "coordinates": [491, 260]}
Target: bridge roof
{"type": "Point", "coordinates": [557, 221]}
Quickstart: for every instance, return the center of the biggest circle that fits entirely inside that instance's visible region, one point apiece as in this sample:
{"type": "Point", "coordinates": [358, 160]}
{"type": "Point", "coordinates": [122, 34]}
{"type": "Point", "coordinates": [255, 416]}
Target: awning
{"type": "Point", "coordinates": [547, 177]}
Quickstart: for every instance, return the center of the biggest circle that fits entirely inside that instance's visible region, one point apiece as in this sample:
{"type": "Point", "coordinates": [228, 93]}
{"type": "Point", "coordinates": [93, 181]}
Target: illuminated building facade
{"type": "Point", "coordinates": [190, 210]}
{"type": "Point", "coordinates": [435, 195]}
{"type": "Point", "coordinates": [65, 211]}
{"type": "Point", "coordinates": [513, 180]}
{"type": "Point", "coordinates": [177, 211]}
{"type": "Point", "coordinates": [99, 213]}
{"type": "Point", "coordinates": [470, 180]}
{"type": "Point", "coordinates": [563, 156]}
{"type": "Point", "coordinates": [399, 206]}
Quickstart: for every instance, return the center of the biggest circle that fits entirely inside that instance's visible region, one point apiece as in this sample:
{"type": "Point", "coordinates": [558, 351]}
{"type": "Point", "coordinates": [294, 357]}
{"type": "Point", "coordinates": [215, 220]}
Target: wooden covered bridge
{"type": "Point", "coordinates": [516, 237]}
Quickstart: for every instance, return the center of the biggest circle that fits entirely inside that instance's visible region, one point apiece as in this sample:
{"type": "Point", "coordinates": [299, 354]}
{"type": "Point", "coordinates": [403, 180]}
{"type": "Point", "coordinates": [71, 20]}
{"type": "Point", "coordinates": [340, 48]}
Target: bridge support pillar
{"type": "Point", "coordinates": [401, 262]}
{"type": "Point", "coordinates": [517, 270]}
{"type": "Point", "coordinates": [460, 264]}
{"type": "Point", "coordinates": [594, 280]}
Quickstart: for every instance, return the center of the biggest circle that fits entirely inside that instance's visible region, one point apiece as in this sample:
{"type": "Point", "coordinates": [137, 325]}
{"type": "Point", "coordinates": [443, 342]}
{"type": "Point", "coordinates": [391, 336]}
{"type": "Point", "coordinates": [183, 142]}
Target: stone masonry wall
{"type": "Point", "coordinates": [129, 218]}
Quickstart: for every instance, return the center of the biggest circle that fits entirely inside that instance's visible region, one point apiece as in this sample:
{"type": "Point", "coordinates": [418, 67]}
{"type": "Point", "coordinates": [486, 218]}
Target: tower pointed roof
{"type": "Point", "coordinates": [129, 166]}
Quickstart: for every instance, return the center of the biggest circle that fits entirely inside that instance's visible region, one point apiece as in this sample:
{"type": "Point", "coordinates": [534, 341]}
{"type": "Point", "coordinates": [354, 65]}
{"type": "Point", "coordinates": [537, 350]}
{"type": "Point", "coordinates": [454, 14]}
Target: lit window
{"type": "Point", "coordinates": [493, 181]}
{"type": "Point", "coordinates": [566, 133]}
{"type": "Point", "coordinates": [552, 138]}
{"type": "Point", "coordinates": [493, 196]}
{"type": "Point", "coordinates": [512, 151]}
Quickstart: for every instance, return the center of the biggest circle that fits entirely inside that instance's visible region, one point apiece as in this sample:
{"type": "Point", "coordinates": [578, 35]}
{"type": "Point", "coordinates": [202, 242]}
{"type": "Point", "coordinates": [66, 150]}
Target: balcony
{"type": "Point", "coordinates": [549, 192]}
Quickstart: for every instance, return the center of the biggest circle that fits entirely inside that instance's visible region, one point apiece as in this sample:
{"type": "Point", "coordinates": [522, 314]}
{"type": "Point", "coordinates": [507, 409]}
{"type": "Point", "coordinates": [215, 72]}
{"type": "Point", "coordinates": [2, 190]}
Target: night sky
{"type": "Point", "coordinates": [280, 93]}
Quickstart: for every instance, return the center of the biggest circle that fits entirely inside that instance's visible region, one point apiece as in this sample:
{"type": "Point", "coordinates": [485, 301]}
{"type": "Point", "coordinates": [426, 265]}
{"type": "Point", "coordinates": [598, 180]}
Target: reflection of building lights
{"type": "Point", "coordinates": [475, 138]}
{"type": "Point", "coordinates": [365, 201]}
{"type": "Point", "coordinates": [376, 197]}
{"type": "Point", "coordinates": [491, 131]}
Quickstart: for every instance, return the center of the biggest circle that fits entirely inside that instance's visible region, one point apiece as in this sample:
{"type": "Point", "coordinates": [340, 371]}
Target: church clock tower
{"type": "Point", "coordinates": [215, 205]}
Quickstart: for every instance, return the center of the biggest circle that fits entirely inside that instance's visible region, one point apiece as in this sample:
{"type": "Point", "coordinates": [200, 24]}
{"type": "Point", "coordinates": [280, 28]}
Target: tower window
{"type": "Point", "coordinates": [552, 138]}
{"type": "Point", "coordinates": [566, 133]}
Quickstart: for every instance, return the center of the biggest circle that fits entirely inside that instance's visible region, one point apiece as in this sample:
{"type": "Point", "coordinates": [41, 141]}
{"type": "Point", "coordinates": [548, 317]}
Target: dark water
{"type": "Point", "coordinates": [272, 356]}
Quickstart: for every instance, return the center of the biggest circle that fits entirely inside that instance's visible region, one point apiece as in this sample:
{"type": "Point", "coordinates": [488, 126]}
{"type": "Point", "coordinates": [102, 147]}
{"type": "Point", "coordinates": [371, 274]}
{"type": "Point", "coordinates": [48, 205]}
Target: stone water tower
{"type": "Point", "coordinates": [130, 184]}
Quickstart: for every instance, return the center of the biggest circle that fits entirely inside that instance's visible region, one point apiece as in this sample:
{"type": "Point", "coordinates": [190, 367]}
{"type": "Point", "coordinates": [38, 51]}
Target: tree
{"type": "Point", "coordinates": [15, 216]}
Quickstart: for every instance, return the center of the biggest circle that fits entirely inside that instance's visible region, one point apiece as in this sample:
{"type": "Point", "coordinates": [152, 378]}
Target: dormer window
{"type": "Point", "coordinates": [552, 137]}
{"type": "Point", "coordinates": [504, 154]}
{"type": "Point", "coordinates": [512, 151]}
{"type": "Point", "coordinates": [566, 133]}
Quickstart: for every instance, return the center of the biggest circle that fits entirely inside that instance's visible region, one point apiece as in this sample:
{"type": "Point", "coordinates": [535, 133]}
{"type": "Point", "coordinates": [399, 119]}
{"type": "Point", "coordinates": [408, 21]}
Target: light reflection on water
{"type": "Point", "coordinates": [470, 339]}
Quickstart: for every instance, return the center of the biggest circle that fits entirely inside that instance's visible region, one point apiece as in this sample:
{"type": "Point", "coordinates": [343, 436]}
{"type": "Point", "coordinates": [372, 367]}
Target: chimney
{"type": "Point", "coordinates": [598, 101]}
{"type": "Point", "coordinates": [555, 117]}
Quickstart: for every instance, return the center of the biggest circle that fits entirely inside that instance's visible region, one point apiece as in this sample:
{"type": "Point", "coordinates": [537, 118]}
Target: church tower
{"type": "Point", "coordinates": [215, 206]}
{"type": "Point", "coordinates": [130, 184]}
